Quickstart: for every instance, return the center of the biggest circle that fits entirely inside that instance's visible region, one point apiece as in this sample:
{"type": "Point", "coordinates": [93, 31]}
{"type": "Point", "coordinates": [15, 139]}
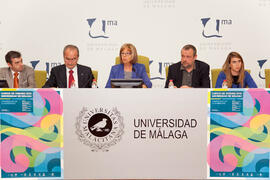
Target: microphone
{"type": "Point", "coordinates": [134, 70]}
{"type": "Point", "coordinates": [138, 77]}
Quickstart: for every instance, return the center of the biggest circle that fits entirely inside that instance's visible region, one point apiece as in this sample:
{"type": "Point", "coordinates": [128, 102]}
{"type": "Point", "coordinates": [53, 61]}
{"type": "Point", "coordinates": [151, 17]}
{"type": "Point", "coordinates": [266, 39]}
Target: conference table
{"type": "Point", "coordinates": [135, 133]}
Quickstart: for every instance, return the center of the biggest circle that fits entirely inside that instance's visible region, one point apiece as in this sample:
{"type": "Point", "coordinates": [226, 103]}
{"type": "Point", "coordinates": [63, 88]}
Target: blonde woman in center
{"type": "Point", "coordinates": [128, 67]}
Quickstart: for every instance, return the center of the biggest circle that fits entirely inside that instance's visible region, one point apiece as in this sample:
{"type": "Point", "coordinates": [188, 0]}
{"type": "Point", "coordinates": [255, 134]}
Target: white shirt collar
{"type": "Point", "coordinates": [13, 72]}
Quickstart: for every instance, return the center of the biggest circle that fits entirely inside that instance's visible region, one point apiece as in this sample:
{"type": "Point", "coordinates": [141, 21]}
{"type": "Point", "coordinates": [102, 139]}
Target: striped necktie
{"type": "Point", "coordinates": [16, 80]}
{"type": "Point", "coordinates": [71, 79]}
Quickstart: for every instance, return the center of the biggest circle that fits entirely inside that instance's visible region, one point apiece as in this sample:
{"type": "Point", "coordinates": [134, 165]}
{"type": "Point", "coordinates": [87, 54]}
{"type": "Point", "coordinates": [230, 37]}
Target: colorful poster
{"type": "Point", "coordinates": [31, 133]}
{"type": "Point", "coordinates": [239, 138]}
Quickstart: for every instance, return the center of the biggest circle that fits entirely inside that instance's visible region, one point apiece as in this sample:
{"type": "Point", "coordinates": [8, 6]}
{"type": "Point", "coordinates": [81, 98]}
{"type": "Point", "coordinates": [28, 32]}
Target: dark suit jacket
{"type": "Point", "coordinates": [200, 76]}
{"type": "Point", "coordinates": [58, 77]}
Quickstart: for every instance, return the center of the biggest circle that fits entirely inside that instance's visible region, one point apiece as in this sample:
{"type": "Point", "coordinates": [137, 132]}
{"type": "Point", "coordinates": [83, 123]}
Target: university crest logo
{"type": "Point", "coordinates": [99, 128]}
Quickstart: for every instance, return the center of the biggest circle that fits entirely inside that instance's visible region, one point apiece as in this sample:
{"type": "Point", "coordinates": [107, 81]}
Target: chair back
{"type": "Point", "coordinates": [40, 78]}
{"type": "Point", "coordinates": [267, 78]}
{"type": "Point", "coordinates": [142, 60]}
{"type": "Point", "coordinates": [215, 73]}
{"type": "Point", "coordinates": [167, 71]}
{"type": "Point", "coordinates": [95, 74]}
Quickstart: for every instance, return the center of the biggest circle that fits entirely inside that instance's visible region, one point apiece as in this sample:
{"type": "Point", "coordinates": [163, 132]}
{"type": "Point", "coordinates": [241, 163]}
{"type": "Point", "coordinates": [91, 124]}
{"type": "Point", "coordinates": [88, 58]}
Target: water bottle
{"type": "Point", "coordinates": [171, 85]}
{"type": "Point", "coordinates": [94, 84]}
{"type": "Point", "coordinates": [225, 84]}
{"type": "Point", "coordinates": [73, 84]}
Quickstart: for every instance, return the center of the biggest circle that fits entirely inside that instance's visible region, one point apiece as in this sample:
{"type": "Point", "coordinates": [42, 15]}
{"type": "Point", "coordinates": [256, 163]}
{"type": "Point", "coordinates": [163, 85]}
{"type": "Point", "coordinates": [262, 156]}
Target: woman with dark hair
{"type": "Point", "coordinates": [128, 67]}
{"type": "Point", "coordinates": [233, 74]}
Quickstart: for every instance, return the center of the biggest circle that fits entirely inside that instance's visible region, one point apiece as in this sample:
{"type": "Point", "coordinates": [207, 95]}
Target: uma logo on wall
{"type": "Point", "coordinates": [160, 70]}
{"type": "Point", "coordinates": [48, 65]}
{"type": "Point", "coordinates": [99, 128]}
{"type": "Point", "coordinates": [212, 27]}
{"type": "Point", "coordinates": [261, 63]}
{"type": "Point", "coordinates": [100, 28]}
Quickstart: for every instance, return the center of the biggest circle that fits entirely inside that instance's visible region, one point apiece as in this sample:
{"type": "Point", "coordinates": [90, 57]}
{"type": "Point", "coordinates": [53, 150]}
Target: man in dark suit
{"type": "Point", "coordinates": [71, 74]}
{"type": "Point", "coordinates": [17, 74]}
{"type": "Point", "coordinates": [189, 72]}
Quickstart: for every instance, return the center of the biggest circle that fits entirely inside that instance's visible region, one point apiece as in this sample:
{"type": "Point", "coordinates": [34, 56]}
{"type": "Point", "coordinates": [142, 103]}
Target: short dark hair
{"type": "Point", "coordinates": [12, 54]}
{"type": "Point", "coordinates": [70, 46]}
{"type": "Point", "coordinates": [189, 46]}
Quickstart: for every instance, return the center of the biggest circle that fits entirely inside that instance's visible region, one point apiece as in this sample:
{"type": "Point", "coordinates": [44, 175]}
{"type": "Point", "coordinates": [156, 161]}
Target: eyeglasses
{"type": "Point", "coordinates": [125, 54]}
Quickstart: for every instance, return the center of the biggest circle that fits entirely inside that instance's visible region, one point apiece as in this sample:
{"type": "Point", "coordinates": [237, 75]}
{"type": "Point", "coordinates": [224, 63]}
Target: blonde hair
{"type": "Point", "coordinates": [227, 70]}
{"type": "Point", "coordinates": [132, 49]}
